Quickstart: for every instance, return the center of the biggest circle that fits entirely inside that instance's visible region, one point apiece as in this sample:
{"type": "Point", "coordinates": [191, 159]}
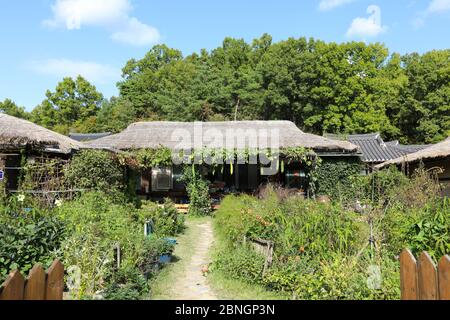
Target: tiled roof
{"type": "Point", "coordinates": [374, 149]}
{"type": "Point", "coordinates": [84, 137]}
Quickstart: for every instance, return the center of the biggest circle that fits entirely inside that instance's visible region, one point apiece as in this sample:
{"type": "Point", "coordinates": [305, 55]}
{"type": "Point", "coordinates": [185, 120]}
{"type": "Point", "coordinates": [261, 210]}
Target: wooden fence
{"type": "Point", "coordinates": [421, 279]}
{"type": "Point", "coordinates": [39, 285]}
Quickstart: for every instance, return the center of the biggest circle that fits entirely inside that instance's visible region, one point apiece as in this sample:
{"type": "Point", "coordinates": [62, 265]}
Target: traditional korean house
{"type": "Point", "coordinates": [435, 156]}
{"type": "Point", "coordinates": [159, 182]}
{"type": "Point", "coordinates": [23, 140]}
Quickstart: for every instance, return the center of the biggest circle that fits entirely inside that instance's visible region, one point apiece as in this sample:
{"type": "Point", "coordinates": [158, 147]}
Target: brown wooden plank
{"type": "Point", "coordinates": [55, 281]}
{"type": "Point", "coordinates": [13, 287]}
{"type": "Point", "coordinates": [444, 278]}
{"type": "Point", "coordinates": [428, 280]}
{"type": "Point", "coordinates": [35, 284]}
{"type": "Point", "coordinates": [408, 276]}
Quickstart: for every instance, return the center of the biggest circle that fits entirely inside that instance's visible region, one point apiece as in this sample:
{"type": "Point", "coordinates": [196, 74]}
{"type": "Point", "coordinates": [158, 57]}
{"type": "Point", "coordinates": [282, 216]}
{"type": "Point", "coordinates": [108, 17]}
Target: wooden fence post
{"type": "Point", "coordinates": [444, 278]}
{"type": "Point", "coordinates": [13, 287]}
{"type": "Point", "coordinates": [428, 280]}
{"type": "Point", "coordinates": [408, 276]}
{"type": "Point", "coordinates": [35, 284]}
{"type": "Point", "coordinates": [55, 281]}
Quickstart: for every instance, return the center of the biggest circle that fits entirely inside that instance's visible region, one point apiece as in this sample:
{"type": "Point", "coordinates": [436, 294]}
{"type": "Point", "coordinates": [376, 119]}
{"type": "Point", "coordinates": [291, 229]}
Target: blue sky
{"type": "Point", "coordinates": [44, 40]}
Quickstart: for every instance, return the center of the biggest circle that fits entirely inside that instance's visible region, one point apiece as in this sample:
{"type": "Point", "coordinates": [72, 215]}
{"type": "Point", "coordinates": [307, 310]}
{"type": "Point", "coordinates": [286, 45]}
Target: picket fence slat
{"type": "Point", "coordinates": [428, 281]}
{"type": "Point", "coordinates": [13, 287]}
{"type": "Point", "coordinates": [55, 281]}
{"type": "Point", "coordinates": [35, 284]}
{"type": "Point", "coordinates": [444, 278]}
{"type": "Point", "coordinates": [421, 279]}
{"type": "Point", "coordinates": [408, 276]}
{"type": "Point", "coordinates": [38, 286]}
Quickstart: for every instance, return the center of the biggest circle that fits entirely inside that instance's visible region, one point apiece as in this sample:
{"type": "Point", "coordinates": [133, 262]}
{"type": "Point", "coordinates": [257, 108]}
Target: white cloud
{"type": "Point", "coordinates": [434, 7]}
{"type": "Point", "coordinates": [438, 6]}
{"type": "Point", "coordinates": [367, 27]}
{"type": "Point", "coordinates": [114, 15]}
{"type": "Point", "coordinates": [94, 72]}
{"type": "Point", "coordinates": [136, 33]}
{"type": "Point", "coordinates": [331, 4]}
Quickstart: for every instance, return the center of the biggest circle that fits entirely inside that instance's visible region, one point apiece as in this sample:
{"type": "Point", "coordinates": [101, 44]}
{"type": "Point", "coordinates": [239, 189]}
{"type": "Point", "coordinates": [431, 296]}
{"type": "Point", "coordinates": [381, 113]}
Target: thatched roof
{"type": "Point", "coordinates": [17, 133]}
{"type": "Point", "coordinates": [436, 151]}
{"type": "Point", "coordinates": [143, 135]}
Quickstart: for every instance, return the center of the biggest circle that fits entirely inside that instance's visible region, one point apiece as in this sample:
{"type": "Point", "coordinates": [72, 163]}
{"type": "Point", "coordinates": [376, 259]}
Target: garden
{"type": "Point", "coordinates": [343, 243]}
{"type": "Point", "coordinates": [98, 235]}
{"type": "Point", "coordinates": [346, 248]}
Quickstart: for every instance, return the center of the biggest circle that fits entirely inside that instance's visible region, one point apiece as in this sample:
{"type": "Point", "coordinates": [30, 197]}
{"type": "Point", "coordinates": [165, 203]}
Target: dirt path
{"type": "Point", "coordinates": [184, 279]}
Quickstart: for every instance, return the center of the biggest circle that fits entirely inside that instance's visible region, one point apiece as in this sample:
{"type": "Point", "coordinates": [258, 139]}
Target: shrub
{"type": "Point", "coordinates": [198, 192]}
{"type": "Point", "coordinates": [95, 170]}
{"type": "Point", "coordinates": [242, 263]}
{"type": "Point", "coordinates": [167, 222]}
{"type": "Point", "coordinates": [27, 237]}
{"type": "Point", "coordinates": [127, 284]}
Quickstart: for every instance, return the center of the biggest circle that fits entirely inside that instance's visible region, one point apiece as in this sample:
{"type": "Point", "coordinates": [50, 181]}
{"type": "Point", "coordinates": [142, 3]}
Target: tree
{"type": "Point", "coordinates": [114, 115]}
{"type": "Point", "coordinates": [9, 107]}
{"type": "Point", "coordinates": [73, 106]}
{"type": "Point", "coordinates": [424, 112]}
{"type": "Point", "coordinates": [343, 88]}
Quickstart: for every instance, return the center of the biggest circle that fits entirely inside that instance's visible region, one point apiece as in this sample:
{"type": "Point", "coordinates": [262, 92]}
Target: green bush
{"type": "Point", "coordinates": [167, 222]}
{"type": "Point", "coordinates": [27, 237]}
{"type": "Point", "coordinates": [242, 263]}
{"type": "Point", "coordinates": [127, 284]}
{"type": "Point", "coordinates": [198, 192]}
{"type": "Point", "coordinates": [95, 170]}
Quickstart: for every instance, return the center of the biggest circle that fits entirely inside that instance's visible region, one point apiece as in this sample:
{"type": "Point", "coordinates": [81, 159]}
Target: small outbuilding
{"type": "Point", "coordinates": [23, 140]}
{"type": "Point", "coordinates": [435, 156]}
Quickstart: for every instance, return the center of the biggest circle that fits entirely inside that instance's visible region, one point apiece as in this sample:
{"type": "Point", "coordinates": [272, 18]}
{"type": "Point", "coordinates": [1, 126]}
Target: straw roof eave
{"type": "Point", "coordinates": [18, 133]}
{"type": "Point", "coordinates": [435, 152]}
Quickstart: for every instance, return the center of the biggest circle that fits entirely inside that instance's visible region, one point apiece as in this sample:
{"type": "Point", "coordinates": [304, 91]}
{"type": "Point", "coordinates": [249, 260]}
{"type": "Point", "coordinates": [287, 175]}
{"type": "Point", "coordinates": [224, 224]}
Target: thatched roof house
{"type": "Point", "coordinates": [18, 133]}
{"type": "Point", "coordinates": [185, 135]}
{"type": "Point", "coordinates": [435, 152]}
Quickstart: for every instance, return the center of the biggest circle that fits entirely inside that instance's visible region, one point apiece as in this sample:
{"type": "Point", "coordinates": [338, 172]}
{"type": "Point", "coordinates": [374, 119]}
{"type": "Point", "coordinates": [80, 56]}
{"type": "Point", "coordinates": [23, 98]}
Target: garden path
{"type": "Point", "coordinates": [189, 283]}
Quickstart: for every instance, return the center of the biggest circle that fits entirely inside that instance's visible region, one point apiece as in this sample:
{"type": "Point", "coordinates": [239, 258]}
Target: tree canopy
{"type": "Point", "coordinates": [344, 88]}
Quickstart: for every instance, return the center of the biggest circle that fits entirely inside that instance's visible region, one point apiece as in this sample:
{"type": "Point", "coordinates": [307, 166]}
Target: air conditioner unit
{"type": "Point", "coordinates": [162, 179]}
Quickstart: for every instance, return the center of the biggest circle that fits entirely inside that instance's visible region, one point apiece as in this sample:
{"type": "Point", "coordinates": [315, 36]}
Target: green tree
{"type": "Point", "coordinates": [424, 112]}
{"type": "Point", "coordinates": [9, 107]}
{"type": "Point", "coordinates": [72, 106]}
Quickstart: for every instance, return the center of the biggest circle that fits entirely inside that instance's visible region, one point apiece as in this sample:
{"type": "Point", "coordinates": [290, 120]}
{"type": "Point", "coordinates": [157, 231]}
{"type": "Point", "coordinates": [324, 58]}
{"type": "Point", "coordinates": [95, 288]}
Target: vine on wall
{"type": "Point", "coordinates": [334, 175]}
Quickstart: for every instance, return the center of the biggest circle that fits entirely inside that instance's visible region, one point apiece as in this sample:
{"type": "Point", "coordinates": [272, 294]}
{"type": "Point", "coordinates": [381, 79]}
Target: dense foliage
{"type": "Point", "coordinates": [73, 106]}
{"type": "Point", "coordinates": [27, 236]}
{"type": "Point", "coordinates": [165, 219]}
{"type": "Point", "coordinates": [332, 250]}
{"type": "Point", "coordinates": [198, 191]}
{"type": "Point", "coordinates": [94, 169]}
{"type": "Point", "coordinates": [343, 88]}
{"type": "Point", "coordinates": [85, 234]}
{"type": "Point", "coordinates": [334, 175]}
